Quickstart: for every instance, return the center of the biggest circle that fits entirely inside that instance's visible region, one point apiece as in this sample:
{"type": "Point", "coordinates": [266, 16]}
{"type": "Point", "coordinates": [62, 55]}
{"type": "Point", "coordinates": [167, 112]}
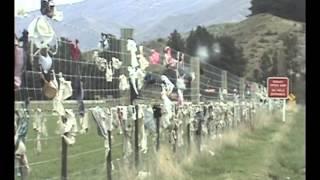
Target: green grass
{"type": "Point", "coordinates": [260, 155]}
{"type": "Point", "coordinates": [90, 144]}
{"type": "Point", "coordinates": [272, 150]}
{"type": "Point", "coordinates": [290, 156]}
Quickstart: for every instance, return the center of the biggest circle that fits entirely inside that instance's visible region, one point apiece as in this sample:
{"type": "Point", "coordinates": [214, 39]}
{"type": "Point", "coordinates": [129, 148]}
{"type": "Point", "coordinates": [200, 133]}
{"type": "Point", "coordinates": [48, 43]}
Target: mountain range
{"type": "Point", "coordinates": [150, 19]}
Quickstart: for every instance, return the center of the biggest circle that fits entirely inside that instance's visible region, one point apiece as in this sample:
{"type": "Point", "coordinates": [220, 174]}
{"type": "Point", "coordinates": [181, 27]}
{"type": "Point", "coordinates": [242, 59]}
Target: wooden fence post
{"type": "Point", "coordinates": [109, 157]}
{"type": "Point", "coordinates": [64, 160]}
{"type": "Point", "coordinates": [136, 138]}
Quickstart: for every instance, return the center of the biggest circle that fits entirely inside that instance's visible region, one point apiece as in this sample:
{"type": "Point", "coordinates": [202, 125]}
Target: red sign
{"type": "Point", "coordinates": [278, 87]}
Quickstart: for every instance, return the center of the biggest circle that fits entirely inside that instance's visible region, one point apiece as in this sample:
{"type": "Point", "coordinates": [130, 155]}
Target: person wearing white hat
{"type": "Point", "coordinates": [40, 31]}
{"type": "Point", "coordinates": [41, 34]}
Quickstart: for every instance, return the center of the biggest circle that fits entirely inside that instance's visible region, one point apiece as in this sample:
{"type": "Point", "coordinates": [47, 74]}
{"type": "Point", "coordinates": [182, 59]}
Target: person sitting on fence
{"type": "Point", "coordinates": [41, 35]}
{"type": "Point", "coordinates": [40, 30]}
{"type": "Point", "coordinates": [154, 58]}
{"type": "Point", "coordinates": [170, 62]}
{"type": "Point", "coordinates": [75, 50]}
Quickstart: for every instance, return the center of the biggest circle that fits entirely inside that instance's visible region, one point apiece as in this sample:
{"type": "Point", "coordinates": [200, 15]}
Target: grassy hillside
{"type": "Point", "coordinates": [262, 33]}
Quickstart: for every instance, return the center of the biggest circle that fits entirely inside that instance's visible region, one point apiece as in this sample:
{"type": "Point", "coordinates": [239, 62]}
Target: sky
{"type": "Point", "coordinates": [31, 5]}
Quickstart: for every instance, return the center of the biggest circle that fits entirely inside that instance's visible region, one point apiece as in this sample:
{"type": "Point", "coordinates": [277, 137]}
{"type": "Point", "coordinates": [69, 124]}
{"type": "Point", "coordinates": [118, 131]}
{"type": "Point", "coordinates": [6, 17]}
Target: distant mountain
{"type": "Point", "coordinates": [149, 18]}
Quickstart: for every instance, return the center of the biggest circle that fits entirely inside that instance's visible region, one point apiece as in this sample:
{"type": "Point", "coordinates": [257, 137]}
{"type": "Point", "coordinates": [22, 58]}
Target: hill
{"type": "Point", "coordinates": [263, 33]}
{"type": "Point", "coordinates": [256, 35]}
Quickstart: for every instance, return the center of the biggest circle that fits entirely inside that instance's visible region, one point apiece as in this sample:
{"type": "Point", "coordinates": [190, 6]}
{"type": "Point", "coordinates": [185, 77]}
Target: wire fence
{"type": "Point", "coordinates": [97, 86]}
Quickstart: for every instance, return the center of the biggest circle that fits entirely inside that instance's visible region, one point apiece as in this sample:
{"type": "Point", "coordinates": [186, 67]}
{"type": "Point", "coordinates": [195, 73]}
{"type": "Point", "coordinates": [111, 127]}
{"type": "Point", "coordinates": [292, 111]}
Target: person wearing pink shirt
{"type": "Point", "coordinates": [75, 51]}
{"type": "Point", "coordinates": [155, 57]}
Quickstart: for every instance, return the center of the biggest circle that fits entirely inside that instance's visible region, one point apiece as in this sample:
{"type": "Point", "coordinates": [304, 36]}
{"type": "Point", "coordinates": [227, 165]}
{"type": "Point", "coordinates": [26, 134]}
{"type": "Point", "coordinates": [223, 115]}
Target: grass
{"type": "Point", "coordinates": [290, 155]}
{"type": "Point", "coordinates": [84, 155]}
{"type": "Point", "coordinates": [272, 150]}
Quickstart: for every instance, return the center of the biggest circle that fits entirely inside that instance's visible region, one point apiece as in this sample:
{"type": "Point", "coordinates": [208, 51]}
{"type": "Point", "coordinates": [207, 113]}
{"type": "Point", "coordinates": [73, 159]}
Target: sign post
{"type": "Point", "coordinates": [278, 88]}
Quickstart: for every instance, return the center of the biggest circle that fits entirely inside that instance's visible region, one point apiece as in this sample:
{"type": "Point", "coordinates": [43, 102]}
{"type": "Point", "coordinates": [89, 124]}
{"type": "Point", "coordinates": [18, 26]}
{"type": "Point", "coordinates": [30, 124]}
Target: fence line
{"type": "Point", "coordinates": [212, 76]}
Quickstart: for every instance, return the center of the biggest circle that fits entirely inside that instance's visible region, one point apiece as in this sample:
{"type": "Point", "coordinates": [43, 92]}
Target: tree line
{"type": "Point", "coordinates": [221, 51]}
